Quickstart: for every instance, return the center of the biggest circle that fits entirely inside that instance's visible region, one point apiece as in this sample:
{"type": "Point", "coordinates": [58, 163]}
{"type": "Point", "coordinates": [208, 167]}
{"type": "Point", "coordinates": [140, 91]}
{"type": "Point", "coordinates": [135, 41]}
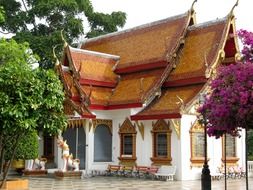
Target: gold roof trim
{"type": "Point", "coordinates": [63, 39]}
{"type": "Point", "coordinates": [192, 6]}
{"type": "Point", "coordinates": [231, 13]}
{"type": "Point", "coordinates": [80, 122]}
{"type": "Point", "coordinates": [221, 53]}
{"type": "Point", "coordinates": [172, 59]}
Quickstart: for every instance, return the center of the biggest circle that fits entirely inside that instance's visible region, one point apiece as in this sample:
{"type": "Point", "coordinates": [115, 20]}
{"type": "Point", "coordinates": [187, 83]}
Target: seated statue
{"type": "Point", "coordinates": [36, 164]}
{"type": "Point", "coordinates": [68, 160]}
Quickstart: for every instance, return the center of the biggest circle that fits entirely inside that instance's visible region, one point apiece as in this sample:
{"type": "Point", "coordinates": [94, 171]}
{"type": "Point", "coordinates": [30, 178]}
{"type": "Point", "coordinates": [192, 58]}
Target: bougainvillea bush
{"type": "Point", "coordinates": [229, 106]}
{"type": "Point", "coordinates": [247, 41]}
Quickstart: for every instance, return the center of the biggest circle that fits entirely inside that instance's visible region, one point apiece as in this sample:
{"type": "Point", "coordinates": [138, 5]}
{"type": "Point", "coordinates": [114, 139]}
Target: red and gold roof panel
{"type": "Point", "coordinates": [147, 44]}
{"type": "Point", "coordinates": [201, 46]}
{"type": "Point", "coordinates": [168, 105]}
{"type": "Point", "coordinates": [98, 95]}
{"type": "Point", "coordinates": [94, 66]}
{"type": "Point", "coordinates": [132, 88]}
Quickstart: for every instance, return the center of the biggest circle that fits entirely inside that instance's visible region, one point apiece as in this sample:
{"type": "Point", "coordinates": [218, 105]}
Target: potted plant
{"type": "Point", "coordinates": [27, 149]}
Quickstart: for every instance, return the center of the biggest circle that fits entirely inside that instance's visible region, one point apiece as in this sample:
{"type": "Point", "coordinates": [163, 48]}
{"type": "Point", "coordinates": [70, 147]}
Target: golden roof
{"type": "Point", "coordinates": [150, 43]}
{"type": "Point", "coordinates": [144, 57]}
{"type": "Point", "coordinates": [93, 66]}
{"type": "Point", "coordinates": [132, 88]}
{"type": "Point", "coordinates": [98, 95]}
{"type": "Point", "coordinates": [201, 45]}
{"type": "Point", "coordinates": [169, 103]}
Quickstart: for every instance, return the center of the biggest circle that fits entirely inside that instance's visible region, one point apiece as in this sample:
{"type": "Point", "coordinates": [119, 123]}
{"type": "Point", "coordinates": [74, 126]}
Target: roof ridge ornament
{"type": "Point", "coordinates": [181, 103]}
{"type": "Point", "coordinates": [54, 55]}
{"type": "Point", "coordinates": [231, 14]}
{"type": "Point", "coordinates": [208, 71]}
{"type": "Point", "coordinates": [63, 39]}
{"type": "Point", "coordinates": [192, 6]}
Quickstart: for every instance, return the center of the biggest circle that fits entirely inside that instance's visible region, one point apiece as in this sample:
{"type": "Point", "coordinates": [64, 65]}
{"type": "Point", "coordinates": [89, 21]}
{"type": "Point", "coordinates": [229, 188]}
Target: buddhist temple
{"type": "Point", "coordinates": [132, 95]}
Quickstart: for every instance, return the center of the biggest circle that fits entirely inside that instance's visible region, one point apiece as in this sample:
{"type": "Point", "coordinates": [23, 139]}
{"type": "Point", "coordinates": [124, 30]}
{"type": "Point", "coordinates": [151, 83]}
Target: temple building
{"type": "Point", "coordinates": [132, 95]}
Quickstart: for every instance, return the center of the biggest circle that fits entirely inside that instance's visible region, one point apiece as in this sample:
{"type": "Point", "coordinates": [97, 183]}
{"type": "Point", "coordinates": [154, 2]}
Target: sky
{"type": "Point", "coordinates": [144, 11]}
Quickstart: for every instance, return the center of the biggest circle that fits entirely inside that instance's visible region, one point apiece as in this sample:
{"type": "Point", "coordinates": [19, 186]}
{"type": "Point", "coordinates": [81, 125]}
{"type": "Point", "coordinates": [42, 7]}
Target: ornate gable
{"type": "Point", "coordinates": [127, 127]}
{"type": "Point", "coordinates": [197, 127]}
{"type": "Point", "coordinates": [161, 126]}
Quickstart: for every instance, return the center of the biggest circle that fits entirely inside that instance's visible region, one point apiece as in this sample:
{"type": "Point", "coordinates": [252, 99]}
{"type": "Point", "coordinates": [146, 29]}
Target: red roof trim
{"type": "Point", "coordinates": [75, 98]}
{"type": "Point", "coordinates": [184, 82]}
{"type": "Point", "coordinates": [112, 107]}
{"type": "Point", "coordinates": [141, 67]}
{"type": "Point", "coordinates": [89, 116]}
{"type": "Point", "coordinates": [97, 83]}
{"type": "Point", "coordinates": [153, 117]}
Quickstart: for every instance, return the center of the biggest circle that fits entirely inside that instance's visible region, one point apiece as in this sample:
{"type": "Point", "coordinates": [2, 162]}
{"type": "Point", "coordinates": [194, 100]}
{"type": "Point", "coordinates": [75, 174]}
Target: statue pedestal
{"type": "Point", "coordinates": [35, 172]}
{"type": "Point", "coordinates": [68, 174]}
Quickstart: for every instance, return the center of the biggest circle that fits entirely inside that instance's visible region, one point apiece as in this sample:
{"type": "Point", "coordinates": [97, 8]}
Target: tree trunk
{"type": "Point", "coordinates": [6, 171]}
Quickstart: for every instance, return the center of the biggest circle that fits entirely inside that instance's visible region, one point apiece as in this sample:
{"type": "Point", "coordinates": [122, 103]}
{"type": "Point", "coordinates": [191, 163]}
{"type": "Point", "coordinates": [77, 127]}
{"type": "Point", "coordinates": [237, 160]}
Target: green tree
{"type": "Point", "coordinates": [1, 15]}
{"type": "Point", "coordinates": [40, 22]}
{"type": "Point", "coordinates": [28, 147]}
{"type": "Point", "coordinates": [30, 99]}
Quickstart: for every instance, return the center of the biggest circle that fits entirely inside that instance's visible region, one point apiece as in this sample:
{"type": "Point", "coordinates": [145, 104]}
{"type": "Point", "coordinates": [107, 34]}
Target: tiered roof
{"type": "Point", "coordinates": [202, 51]}
{"type": "Point", "coordinates": [163, 65]}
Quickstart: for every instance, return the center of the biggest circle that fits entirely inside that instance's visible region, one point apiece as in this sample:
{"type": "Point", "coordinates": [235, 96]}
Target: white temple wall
{"type": "Point", "coordinates": [185, 172]}
{"type": "Point", "coordinates": [180, 146]}
{"type": "Point", "coordinates": [144, 147]}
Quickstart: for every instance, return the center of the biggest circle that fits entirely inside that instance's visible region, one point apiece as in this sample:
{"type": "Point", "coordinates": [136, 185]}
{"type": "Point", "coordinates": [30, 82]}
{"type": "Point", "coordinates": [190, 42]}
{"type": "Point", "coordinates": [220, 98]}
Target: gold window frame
{"type": "Point", "coordinates": [127, 128]}
{"type": "Point", "coordinates": [161, 127]}
{"type": "Point", "coordinates": [230, 160]}
{"type": "Point", "coordinates": [196, 161]}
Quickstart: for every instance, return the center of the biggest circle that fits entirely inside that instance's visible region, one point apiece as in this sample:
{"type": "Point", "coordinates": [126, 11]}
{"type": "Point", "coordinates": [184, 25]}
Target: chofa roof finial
{"type": "Point", "coordinates": [57, 60]}
{"type": "Point", "coordinates": [63, 39]}
{"type": "Point", "coordinates": [192, 6]}
{"type": "Point", "coordinates": [231, 14]}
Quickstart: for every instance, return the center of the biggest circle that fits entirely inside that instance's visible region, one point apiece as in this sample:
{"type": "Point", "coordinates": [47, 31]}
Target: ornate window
{"type": "Point", "coordinates": [161, 136]}
{"type": "Point", "coordinates": [230, 150]}
{"type": "Point", "coordinates": [197, 137]}
{"type": "Point", "coordinates": [127, 133]}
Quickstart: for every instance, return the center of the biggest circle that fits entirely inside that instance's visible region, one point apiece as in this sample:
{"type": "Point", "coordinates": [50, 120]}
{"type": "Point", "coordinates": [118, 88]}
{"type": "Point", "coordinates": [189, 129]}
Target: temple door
{"type": "Point", "coordinates": [76, 139]}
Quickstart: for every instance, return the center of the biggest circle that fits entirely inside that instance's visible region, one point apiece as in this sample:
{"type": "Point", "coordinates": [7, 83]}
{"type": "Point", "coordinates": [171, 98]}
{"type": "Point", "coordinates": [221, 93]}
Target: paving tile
{"type": "Point", "coordinates": [121, 183]}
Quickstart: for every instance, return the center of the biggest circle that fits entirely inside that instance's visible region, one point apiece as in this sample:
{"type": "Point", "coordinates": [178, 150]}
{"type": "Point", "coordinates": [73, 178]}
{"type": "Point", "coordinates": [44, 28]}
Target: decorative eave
{"type": "Point", "coordinates": [154, 117]}
{"type": "Point", "coordinates": [185, 82]}
{"type": "Point", "coordinates": [171, 59]}
{"type": "Point", "coordinates": [81, 109]}
{"type": "Point", "coordinates": [172, 103]}
{"type": "Point", "coordinates": [67, 88]}
{"type": "Point", "coordinates": [116, 106]}
{"type": "Point", "coordinates": [76, 122]}
{"type": "Point", "coordinates": [76, 71]}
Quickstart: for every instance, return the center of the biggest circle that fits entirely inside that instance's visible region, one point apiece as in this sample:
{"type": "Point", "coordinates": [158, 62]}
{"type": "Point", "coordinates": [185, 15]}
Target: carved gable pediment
{"type": "Point", "coordinates": [161, 126]}
{"type": "Point", "coordinates": [197, 127]}
{"type": "Point", "coordinates": [127, 127]}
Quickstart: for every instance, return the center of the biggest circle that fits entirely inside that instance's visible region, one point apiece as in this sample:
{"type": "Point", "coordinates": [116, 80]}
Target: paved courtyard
{"type": "Point", "coordinates": [119, 183]}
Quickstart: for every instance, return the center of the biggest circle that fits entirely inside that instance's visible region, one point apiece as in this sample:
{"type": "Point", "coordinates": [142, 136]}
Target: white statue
{"type": "Point", "coordinates": [36, 164]}
{"type": "Point", "coordinates": [68, 160]}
